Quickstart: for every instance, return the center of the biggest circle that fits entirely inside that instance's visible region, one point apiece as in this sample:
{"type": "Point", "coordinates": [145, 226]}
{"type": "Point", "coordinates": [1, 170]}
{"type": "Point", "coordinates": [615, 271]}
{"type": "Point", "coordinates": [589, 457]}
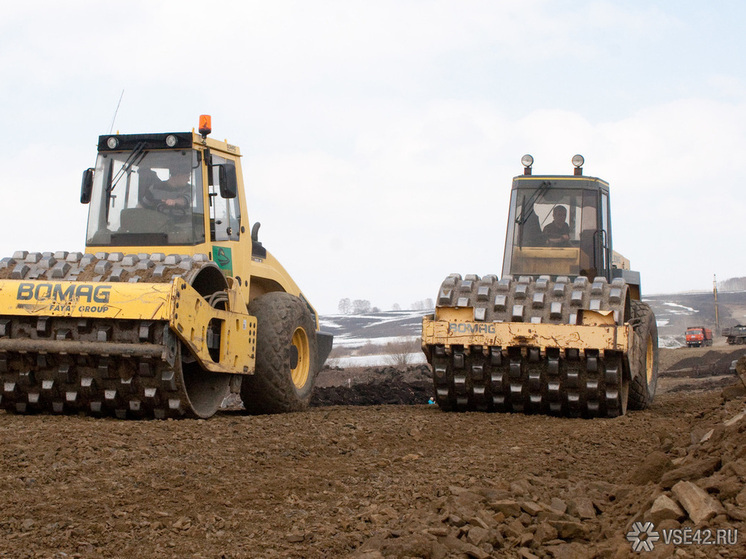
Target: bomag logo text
{"type": "Point", "coordinates": [470, 328]}
{"type": "Point", "coordinates": [63, 293]}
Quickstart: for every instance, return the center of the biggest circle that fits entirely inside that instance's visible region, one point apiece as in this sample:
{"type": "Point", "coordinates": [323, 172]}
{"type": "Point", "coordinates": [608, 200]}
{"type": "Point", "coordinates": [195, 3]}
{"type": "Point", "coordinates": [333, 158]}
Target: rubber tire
{"type": "Point", "coordinates": [271, 388]}
{"type": "Point", "coordinates": [642, 391]}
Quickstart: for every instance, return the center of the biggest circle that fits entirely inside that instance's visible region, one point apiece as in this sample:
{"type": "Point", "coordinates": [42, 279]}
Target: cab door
{"type": "Point", "coordinates": [604, 262]}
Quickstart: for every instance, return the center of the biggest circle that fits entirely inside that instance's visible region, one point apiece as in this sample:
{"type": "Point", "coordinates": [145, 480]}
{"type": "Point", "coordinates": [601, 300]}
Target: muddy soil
{"type": "Point", "coordinates": [354, 477]}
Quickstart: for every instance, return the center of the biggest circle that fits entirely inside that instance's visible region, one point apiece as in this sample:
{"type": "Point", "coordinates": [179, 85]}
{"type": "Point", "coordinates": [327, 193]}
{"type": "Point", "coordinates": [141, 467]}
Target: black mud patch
{"type": "Point", "coordinates": [389, 385]}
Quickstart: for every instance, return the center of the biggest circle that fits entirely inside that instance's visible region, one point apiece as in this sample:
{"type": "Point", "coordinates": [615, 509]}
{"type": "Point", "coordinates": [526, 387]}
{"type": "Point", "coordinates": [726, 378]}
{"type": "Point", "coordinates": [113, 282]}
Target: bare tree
{"type": "Point", "coordinates": [345, 306]}
{"type": "Point", "coordinates": [360, 306]}
{"type": "Point", "coordinates": [423, 305]}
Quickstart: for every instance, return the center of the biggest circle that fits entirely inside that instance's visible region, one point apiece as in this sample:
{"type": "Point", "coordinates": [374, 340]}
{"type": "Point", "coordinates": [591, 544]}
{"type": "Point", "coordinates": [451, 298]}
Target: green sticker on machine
{"type": "Point", "coordinates": [222, 257]}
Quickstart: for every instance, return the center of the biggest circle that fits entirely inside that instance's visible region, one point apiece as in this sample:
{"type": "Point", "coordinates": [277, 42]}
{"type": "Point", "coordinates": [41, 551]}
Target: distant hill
{"type": "Point", "coordinates": [732, 284]}
{"type": "Point", "coordinates": [374, 327]}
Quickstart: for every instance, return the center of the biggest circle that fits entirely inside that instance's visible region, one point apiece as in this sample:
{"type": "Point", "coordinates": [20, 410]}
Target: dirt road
{"type": "Point", "coordinates": [381, 481]}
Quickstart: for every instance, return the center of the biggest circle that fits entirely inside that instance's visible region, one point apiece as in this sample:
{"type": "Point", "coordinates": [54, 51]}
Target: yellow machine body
{"type": "Point", "coordinates": [256, 274]}
{"type": "Point", "coordinates": [155, 319]}
{"type": "Point", "coordinates": [175, 303]}
{"type": "Point", "coordinates": [456, 327]}
{"type": "Point", "coordinates": [563, 331]}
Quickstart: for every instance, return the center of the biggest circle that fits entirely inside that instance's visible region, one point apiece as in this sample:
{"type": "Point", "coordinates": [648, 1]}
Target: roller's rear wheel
{"type": "Point", "coordinates": [643, 357]}
{"type": "Point", "coordinates": [286, 356]}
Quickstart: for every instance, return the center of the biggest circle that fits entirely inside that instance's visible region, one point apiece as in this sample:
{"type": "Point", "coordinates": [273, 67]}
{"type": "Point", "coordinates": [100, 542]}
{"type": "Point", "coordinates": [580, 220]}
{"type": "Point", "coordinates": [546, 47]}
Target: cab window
{"type": "Point", "coordinates": [225, 215]}
{"type": "Point", "coordinates": [147, 198]}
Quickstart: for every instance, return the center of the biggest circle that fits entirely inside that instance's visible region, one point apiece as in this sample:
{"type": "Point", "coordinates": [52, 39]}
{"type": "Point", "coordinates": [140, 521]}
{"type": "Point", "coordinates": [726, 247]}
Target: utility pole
{"type": "Point", "coordinates": [715, 293]}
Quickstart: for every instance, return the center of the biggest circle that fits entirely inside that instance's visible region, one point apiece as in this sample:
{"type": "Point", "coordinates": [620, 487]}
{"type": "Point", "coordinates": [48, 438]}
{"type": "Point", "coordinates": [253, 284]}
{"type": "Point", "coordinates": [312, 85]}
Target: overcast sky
{"type": "Point", "coordinates": [380, 138]}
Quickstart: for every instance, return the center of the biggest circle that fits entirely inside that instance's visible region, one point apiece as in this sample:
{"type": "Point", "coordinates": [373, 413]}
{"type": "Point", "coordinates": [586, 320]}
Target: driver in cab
{"type": "Point", "coordinates": [172, 196]}
{"type": "Point", "coordinates": [557, 232]}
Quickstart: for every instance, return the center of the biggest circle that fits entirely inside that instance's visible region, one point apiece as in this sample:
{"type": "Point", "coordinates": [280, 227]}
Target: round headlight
{"type": "Point", "coordinates": [527, 160]}
{"type": "Point", "coordinates": [171, 140]}
{"type": "Point", "coordinates": [578, 160]}
{"type": "Point", "coordinates": [112, 142]}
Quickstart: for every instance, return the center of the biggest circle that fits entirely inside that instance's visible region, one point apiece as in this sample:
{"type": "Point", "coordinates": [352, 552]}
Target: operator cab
{"type": "Point", "coordinates": [148, 190]}
{"type": "Point", "coordinates": [560, 226]}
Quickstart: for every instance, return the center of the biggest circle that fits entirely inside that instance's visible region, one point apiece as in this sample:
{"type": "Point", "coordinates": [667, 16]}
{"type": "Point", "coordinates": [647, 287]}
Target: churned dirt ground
{"type": "Point", "coordinates": [373, 480]}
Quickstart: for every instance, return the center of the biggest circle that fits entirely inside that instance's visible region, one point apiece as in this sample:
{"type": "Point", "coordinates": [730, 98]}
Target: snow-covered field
{"type": "Point", "coordinates": [378, 360]}
{"type": "Point", "coordinates": [379, 328]}
{"type": "Point", "coordinates": [367, 339]}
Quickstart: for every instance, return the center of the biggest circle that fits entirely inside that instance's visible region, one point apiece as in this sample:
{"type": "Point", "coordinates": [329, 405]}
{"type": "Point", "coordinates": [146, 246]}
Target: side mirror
{"type": "Point", "coordinates": [86, 186]}
{"type": "Point", "coordinates": [228, 181]}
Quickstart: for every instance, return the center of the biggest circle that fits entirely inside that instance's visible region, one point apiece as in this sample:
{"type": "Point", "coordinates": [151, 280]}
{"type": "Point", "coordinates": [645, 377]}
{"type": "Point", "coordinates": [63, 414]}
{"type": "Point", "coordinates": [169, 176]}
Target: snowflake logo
{"type": "Point", "coordinates": [642, 536]}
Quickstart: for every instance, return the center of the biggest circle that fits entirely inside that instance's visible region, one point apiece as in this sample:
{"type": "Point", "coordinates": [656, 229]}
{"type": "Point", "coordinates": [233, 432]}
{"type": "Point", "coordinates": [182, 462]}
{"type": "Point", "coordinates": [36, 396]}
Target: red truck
{"type": "Point", "coordinates": [698, 336]}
